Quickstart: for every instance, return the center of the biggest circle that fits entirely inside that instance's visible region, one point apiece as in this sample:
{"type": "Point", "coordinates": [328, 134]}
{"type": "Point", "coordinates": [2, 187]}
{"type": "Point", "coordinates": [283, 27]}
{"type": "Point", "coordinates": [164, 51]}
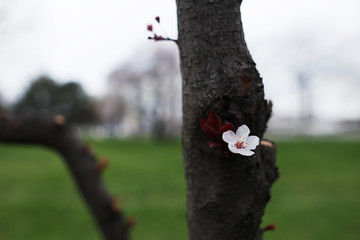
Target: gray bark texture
{"type": "Point", "coordinates": [226, 196]}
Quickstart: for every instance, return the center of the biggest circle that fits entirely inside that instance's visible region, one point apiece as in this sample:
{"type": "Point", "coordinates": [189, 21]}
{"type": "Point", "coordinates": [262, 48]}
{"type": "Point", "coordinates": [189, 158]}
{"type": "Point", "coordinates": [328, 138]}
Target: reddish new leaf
{"type": "Point", "coordinates": [227, 127]}
{"type": "Point", "coordinates": [211, 132]}
{"type": "Point", "coordinates": [214, 120]}
{"type": "Point", "coordinates": [214, 127]}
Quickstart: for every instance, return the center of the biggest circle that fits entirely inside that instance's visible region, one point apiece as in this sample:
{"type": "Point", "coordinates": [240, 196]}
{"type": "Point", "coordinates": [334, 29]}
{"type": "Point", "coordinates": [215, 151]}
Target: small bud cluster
{"type": "Point", "coordinates": [158, 37]}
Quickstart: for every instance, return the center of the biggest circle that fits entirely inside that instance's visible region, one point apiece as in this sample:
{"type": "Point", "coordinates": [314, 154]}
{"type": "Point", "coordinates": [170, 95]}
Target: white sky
{"type": "Point", "coordinates": [85, 40]}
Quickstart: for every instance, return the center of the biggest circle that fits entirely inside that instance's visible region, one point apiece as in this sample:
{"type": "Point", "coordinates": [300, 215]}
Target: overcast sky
{"type": "Point", "coordinates": [84, 40]}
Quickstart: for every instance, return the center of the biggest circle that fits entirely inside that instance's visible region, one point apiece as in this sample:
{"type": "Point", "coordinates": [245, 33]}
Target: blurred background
{"type": "Point", "coordinates": [91, 61]}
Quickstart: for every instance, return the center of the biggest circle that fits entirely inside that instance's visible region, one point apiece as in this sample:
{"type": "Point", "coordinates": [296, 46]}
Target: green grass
{"type": "Point", "coordinates": [318, 193]}
{"type": "Point", "coordinates": [316, 197]}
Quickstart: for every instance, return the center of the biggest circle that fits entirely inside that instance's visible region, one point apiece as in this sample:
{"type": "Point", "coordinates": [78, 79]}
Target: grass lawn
{"type": "Point", "coordinates": [316, 197]}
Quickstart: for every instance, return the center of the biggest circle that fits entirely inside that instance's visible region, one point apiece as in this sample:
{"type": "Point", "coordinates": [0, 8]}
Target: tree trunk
{"type": "Point", "coordinates": [226, 196]}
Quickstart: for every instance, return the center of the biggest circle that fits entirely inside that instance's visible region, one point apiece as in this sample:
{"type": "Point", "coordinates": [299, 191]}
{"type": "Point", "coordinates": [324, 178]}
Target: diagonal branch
{"type": "Point", "coordinates": [81, 162]}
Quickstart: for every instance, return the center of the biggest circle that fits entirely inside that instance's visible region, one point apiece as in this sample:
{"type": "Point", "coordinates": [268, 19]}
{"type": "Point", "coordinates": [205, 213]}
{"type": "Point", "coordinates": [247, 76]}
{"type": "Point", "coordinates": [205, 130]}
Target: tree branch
{"type": "Point", "coordinates": [82, 163]}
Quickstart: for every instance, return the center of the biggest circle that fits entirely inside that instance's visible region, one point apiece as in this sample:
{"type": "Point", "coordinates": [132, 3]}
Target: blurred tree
{"type": "Point", "coordinates": [111, 111]}
{"type": "Point", "coordinates": [45, 97]}
{"type": "Point", "coordinates": [150, 87]}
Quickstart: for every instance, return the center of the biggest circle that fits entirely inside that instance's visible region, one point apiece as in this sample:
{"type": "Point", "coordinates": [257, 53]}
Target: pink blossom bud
{"type": "Point", "coordinates": [116, 206]}
{"type": "Point", "coordinates": [102, 165]}
{"type": "Point", "coordinates": [150, 27]}
{"type": "Point", "coordinates": [131, 222]}
{"type": "Point", "coordinates": [270, 227]}
{"type": "Point", "coordinates": [158, 37]}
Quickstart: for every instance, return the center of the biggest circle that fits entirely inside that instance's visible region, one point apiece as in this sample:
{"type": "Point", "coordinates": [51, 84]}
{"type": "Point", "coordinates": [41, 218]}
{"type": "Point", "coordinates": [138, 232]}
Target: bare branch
{"type": "Point", "coordinates": [82, 163]}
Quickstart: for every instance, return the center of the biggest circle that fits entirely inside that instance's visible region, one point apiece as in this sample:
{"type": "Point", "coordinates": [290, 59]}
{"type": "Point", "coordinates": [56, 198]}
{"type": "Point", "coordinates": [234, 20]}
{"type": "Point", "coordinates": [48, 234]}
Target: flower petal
{"type": "Point", "coordinates": [245, 152]}
{"type": "Point", "coordinates": [229, 136]}
{"type": "Point", "coordinates": [252, 142]}
{"type": "Point", "coordinates": [243, 131]}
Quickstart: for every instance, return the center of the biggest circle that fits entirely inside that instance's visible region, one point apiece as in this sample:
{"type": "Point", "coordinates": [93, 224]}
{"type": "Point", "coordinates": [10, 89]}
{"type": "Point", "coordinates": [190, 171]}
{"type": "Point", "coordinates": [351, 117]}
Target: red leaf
{"type": "Point", "coordinates": [150, 27]}
{"type": "Point", "coordinates": [213, 127]}
{"type": "Point", "coordinates": [214, 120]}
{"type": "Point", "coordinates": [226, 127]}
{"type": "Point", "coordinates": [211, 132]}
{"type": "Point", "coordinates": [202, 122]}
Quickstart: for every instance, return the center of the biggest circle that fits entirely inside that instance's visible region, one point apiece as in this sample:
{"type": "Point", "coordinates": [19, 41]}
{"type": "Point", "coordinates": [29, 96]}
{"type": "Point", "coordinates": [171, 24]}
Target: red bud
{"type": "Point", "coordinates": [59, 119]}
{"type": "Point", "coordinates": [116, 206]}
{"type": "Point", "coordinates": [102, 165]}
{"type": "Point", "coordinates": [158, 37]}
{"type": "Point", "coordinates": [150, 27]}
{"type": "Point", "coordinates": [131, 222]}
{"type": "Point", "coordinates": [157, 19]}
{"type": "Point", "coordinates": [270, 227]}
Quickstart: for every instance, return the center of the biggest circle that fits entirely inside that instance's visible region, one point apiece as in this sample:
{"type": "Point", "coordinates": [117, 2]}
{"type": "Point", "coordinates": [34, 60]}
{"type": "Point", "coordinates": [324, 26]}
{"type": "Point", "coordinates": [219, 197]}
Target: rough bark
{"type": "Point", "coordinates": [226, 196]}
{"type": "Point", "coordinates": [81, 162]}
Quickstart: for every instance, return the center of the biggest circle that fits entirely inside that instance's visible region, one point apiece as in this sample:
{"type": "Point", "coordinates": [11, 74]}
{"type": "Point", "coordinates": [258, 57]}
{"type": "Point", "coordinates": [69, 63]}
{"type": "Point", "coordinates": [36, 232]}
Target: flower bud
{"type": "Point", "coordinates": [59, 119]}
{"type": "Point", "coordinates": [102, 165]}
{"type": "Point", "coordinates": [150, 27]}
{"type": "Point", "coordinates": [116, 206]}
{"type": "Point", "coordinates": [270, 227]}
{"type": "Point", "coordinates": [131, 222]}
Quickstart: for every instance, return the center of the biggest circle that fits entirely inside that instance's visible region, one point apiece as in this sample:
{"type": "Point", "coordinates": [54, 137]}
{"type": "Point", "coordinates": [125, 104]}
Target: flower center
{"type": "Point", "coordinates": [239, 144]}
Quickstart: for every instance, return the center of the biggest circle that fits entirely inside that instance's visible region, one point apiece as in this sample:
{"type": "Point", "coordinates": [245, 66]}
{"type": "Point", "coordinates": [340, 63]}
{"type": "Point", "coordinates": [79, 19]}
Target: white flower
{"type": "Point", "coordinates": [241, 142]}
